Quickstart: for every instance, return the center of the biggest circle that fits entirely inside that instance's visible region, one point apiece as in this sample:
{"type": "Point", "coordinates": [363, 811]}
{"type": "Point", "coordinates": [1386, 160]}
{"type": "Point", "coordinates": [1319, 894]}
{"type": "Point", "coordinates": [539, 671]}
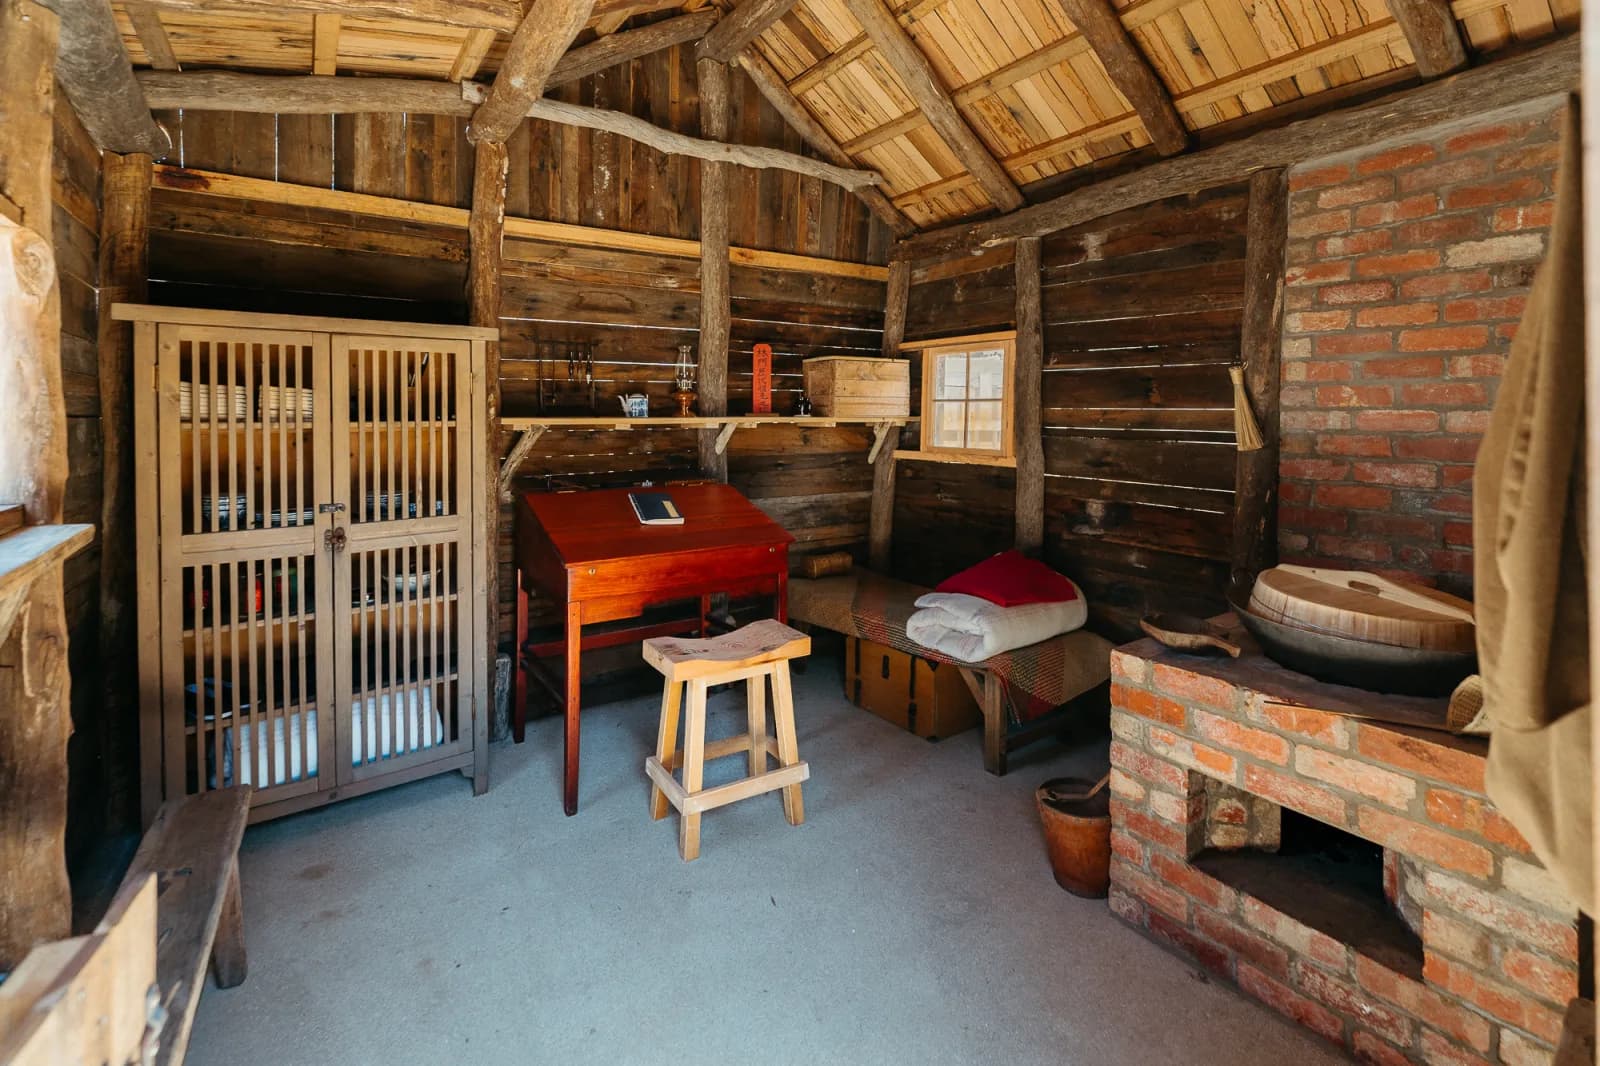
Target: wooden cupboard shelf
{"type": "Point", "coordinates": [422, 606]}
{"type": "Point", "coordinates": [222, 425]}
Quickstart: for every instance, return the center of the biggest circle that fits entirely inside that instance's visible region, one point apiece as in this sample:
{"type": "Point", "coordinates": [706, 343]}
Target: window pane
{"type": "Point", "coordinates": [950, 376]}
{"type": "Point", "coordinates": [988, 374]}
{"type": "Point", "coordinates": [985, 423]}
{"type": "Point", "coordinates": [947, 425]}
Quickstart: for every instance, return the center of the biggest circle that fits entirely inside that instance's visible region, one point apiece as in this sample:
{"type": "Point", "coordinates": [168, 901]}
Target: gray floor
{"type": "Point", "coordinates": [912, 919]}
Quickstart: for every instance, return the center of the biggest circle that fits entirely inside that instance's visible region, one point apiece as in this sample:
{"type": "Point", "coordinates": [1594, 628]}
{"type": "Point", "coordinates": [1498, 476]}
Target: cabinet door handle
{"type": "Point", "coordinates": [334, 539]}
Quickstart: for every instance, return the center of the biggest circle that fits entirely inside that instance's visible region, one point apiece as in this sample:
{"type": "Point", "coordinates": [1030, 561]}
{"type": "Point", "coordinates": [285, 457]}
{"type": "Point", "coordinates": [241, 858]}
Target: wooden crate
{"type": "Point", "coordinates": [850, 387]}
{"type": "Point", "coordinates": [916, 694]}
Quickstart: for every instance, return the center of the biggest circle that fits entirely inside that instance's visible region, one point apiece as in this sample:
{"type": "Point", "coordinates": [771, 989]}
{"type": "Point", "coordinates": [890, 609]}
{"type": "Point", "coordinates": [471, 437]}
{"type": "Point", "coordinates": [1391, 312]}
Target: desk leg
{"type": "Point", "coordinates": [705, 616]}
{"type": "Point", "coordinates": [782, 596]}
{"type": "Point", "coordinates": [519, 689]}
{"type": "Point", "coordinates": [569, 782]}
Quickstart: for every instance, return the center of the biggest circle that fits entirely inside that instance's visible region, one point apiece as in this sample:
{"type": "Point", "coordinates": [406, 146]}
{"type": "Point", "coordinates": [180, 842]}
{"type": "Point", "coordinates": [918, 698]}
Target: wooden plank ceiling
{"type": "Point", "coordinates": [1020, 74]}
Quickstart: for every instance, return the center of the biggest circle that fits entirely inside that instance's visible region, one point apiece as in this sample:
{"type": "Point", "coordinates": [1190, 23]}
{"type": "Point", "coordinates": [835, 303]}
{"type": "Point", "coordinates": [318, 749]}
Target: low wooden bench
{"type": "Point", "coordinates": [192, 848]}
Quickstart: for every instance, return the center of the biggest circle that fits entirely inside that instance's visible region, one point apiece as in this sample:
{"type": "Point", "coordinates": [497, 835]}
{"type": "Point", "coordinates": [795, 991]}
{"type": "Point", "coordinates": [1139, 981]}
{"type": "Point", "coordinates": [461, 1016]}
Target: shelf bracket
{"type": "Point", "coordinates": [519, 452]}
{"type": "Point", "coordinates": [725, 436]}
{"type": "Point", "coordinates": [880, 433]}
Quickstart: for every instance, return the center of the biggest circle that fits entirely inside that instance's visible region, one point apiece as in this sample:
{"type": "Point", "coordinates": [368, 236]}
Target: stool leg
{"type": "Point", "coordinates": [756, 712]}
{"type": "Point", "coordinates": [788, 747]}
{"type": "Point", "coordinates": [666, 744]}
{"type": "Point", "coordinates": [694, 761]}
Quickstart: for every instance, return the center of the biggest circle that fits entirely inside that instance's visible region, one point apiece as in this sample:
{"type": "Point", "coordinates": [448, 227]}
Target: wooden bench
{"type": "Point", "coordinates": [192, 849]}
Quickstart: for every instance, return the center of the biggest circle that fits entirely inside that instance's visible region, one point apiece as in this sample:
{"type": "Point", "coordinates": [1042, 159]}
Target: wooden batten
{"type": "Point", "coordinates": [1542, 72]}
{"type": "Point", "coordinates": [618, 48]}
{"type": "Point", "coordinates": [152, 33]}
{"type": "Point", "coordinates": [1026, 368]}
{"type": "Point", "coordinates": [536, 47]}
{"type": "Point", "coordinates": [502, 16]}
{"type": "Point", "coordinates": [94, 70]}
{"type": "Point", "coordinates": [1255, 514]}
{"type": "Point", "coordinates": [714, 294]}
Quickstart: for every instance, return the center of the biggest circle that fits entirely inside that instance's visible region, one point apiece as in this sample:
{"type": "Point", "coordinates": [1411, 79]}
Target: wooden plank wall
{"type": "Point", "coordinates": [948, 516]}
{"type": "Point", "coordinates": [1142, 314]}
{"type": "Point", "coordinates": [100, 754]}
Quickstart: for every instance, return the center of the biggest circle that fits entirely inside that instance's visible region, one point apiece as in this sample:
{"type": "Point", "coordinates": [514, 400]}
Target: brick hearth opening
{"type": "Point", "coordinates": [1349, 874]}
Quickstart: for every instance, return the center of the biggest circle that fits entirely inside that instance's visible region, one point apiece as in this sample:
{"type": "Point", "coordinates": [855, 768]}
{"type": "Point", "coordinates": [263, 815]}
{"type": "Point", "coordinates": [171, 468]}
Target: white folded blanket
{"type": "Point", "coordinates": [972, 629]}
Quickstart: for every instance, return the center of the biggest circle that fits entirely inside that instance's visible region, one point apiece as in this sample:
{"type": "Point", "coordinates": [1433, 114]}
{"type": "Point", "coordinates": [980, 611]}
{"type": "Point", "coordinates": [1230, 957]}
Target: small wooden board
{"type": "Point", "coordinates": [1364, 606]}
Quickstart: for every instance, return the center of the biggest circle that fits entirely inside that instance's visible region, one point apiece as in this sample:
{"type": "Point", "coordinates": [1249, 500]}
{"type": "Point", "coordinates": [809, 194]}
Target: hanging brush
{"type": "Point", "coordinates": [1244, 422]}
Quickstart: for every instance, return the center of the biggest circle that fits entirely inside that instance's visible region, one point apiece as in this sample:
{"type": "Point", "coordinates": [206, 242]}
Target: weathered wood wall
{"type": "Point", "coordinates": [1142, 313]}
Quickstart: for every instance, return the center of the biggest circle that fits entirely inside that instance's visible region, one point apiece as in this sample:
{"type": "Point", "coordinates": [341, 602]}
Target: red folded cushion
{"type": "Point", "coordinates": [1011, 579]}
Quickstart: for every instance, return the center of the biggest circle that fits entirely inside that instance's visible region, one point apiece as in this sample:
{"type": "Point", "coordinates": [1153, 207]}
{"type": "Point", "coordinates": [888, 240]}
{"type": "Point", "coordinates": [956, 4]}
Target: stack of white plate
{"type": "Point", "coordinates": [276, 402]}
{"type": "Point", "coordinates": [199, 402]}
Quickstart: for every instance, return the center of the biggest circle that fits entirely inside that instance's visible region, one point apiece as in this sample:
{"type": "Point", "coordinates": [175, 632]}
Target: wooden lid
{"type": "Point", "coordinates": [1364, 606]}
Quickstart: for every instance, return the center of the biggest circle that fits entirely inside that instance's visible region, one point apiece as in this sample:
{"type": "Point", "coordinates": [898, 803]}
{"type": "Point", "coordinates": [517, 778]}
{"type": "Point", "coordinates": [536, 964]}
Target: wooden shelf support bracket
{"type": "Point", "coordinates": [725, 436]}
{"type": "Point", "coordinates": [519, 451]}
{"type": "Point", "coordinates": [880, 433]}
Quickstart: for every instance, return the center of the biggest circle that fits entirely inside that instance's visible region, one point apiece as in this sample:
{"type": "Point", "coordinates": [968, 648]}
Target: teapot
{"type": "Point", "coordinates": [635, 404]}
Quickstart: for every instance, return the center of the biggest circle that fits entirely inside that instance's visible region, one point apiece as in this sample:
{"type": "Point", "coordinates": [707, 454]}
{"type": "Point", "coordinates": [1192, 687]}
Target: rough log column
{"type": "Point", "coordinates": [35, 898]}
{"type": "Point", "coordinates": [880, 525]}
{"type": "Point", "coordinates": [1255, 512]}
{"type": "Point", "coordinates": [1027, 385]}
{"type": "Point", "coordinates": [714, 312]}
{"type": "Point", "coordinates": [485, 236]}
{"type": "Point", "coordinates": [124, 259]}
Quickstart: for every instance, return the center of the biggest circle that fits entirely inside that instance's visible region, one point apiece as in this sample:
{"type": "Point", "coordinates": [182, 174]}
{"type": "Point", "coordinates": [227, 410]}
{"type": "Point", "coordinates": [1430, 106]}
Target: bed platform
{"type": "Point", "coordinates": [1024, 694]}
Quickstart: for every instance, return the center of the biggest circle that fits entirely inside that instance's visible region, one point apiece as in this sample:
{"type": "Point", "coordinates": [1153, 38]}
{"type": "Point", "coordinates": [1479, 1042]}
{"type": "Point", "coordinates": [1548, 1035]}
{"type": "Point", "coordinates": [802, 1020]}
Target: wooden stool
{"type": "Point", "coordinates": [758, 651]}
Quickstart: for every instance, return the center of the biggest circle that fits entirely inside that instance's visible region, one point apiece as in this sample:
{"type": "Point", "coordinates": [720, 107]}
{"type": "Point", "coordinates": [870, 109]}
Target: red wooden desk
{"type": "Point", "coordinates": [589, 552]}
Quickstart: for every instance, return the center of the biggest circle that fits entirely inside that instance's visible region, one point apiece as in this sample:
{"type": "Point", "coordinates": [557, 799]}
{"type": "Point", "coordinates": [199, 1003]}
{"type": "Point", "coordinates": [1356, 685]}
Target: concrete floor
{"type": "Point", "coordinates": [912, 919]}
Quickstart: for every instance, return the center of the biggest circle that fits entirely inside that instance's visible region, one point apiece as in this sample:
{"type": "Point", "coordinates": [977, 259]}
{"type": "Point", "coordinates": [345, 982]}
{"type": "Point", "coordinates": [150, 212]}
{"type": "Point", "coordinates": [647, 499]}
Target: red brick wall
{"type": "Point", "coordinates": [1408, 266]}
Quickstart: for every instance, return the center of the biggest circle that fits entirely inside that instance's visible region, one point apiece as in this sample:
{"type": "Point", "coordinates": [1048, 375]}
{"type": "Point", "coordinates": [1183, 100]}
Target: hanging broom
{"type": "Point", "coordinates": [1244, 422]}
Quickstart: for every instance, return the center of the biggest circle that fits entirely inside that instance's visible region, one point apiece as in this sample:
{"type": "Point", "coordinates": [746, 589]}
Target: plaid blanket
{"type": "Point", "coordinates": [1038, 678]}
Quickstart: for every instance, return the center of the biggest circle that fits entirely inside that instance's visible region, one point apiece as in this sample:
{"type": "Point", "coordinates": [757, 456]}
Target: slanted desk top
{"type": "Point", "coordinates": [599, 525]}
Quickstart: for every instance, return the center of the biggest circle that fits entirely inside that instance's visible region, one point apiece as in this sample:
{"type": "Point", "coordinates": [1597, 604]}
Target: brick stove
{"type": "Point", "coordinates": [1349, 874]}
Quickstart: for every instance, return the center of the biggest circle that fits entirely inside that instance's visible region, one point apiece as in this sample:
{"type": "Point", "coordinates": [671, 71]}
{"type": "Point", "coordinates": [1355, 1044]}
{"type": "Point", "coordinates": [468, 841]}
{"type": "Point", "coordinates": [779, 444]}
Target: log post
{"type": "Point", "coordinates": [35, 721]}
{"type": "Point", "coordinates": [485, 237]}
{"type": "Point", "coordinates": [123, 278]}
{"type": "Point", "coordinates": [1255, 508]}
{"type": "Point", "coordinates": [880, 521]}
{"type": "Point", "coordinates": [1026, 386]}
{"type": "Point", "coordinates": [714, 310]}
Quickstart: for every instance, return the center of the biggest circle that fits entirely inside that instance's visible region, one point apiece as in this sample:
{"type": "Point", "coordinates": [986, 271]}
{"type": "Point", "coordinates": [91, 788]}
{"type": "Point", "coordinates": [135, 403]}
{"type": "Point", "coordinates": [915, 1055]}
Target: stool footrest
{"type": "Point", "coordinates": [711, 798]}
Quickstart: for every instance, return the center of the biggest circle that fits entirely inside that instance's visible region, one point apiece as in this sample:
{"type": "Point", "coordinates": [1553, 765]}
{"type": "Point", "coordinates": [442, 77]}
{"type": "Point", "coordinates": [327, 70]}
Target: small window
{"type": "Point", "coordinates": [966, 400]}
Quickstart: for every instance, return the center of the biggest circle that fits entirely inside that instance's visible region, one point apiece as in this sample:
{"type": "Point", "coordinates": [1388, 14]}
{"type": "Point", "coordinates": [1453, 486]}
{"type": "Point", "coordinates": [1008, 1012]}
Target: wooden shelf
{"type": "Point", "coordinates": [27, 554]}
{"type": "Point", "coordinates": [527, 422]}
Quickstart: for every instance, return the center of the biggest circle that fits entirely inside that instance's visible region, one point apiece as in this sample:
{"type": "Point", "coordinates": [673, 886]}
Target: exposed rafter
{"type": "Point", "coordinates": [608, 52]}
{"type": "Point", "coordinates": [152, 35]}
{"type": "Point", "coordinates": [216, 90]}
{"type": "Point", "coordinates": [922, 83]}
{"type": "Point", "coordinates": [855, 48]}
{"type": "Point", "coordinates": [325, 43]}
{"type": "Point", "coordinates": [1129, 71]}
{"type": "Point", "coordinates": [94, 69]}
{"type": "Point", "coordinates": [501, 15]}
{"type": "Point", "coordinates": [1543, 72]}
{"type": "Point", "coordinates": [770, 85]}
{"type": "Point", "coordinates": [1431, 30]}
{"type": "Point", "coordinates": [535, 49]}
{"type": "Point", "coordinates": [740, 27]}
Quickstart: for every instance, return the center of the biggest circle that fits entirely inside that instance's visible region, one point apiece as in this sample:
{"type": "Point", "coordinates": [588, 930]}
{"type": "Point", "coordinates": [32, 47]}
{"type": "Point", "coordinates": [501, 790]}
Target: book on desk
{"type": "Point", "coordinates": [655, 509]}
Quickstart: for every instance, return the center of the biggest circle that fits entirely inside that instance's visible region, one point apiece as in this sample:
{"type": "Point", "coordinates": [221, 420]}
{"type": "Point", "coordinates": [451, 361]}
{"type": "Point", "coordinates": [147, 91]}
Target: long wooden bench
{"type": "Point", "coordinates": [868, 605]}
{"type": "Point", "coordinates": [192, 849]}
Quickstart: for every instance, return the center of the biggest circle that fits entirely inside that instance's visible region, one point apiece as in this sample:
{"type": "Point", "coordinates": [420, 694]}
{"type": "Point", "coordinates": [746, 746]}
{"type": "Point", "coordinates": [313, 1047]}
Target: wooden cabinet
{"type": "Point", "coordinates": [309, 510]}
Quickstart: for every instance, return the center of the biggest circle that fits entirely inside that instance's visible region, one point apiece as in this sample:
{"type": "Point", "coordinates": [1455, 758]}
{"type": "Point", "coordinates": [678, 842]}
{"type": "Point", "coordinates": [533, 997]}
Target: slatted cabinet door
{"type": "Point", "coordinates": [403, 486]}
{"type": "Point", "coordinates": [246, 600]}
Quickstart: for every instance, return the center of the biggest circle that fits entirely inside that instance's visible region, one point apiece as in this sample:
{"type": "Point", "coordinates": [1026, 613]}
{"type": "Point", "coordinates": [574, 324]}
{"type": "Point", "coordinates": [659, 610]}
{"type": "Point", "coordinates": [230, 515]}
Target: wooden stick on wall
{"type": "Point", "coordinates": [1027, 386]}
{"type": "Point", "coordinates": [880, 520]}
{"type": "Point", "coordinates": [1255, 508]}
{"type": "Point", "coordinates": [124, 261]}
{"type": "Point", "coordinates": [35, 716]}
{"type": "Point", "coordinates": [714, 309]}
{"type": "Point", "coordinates": [485, 240]}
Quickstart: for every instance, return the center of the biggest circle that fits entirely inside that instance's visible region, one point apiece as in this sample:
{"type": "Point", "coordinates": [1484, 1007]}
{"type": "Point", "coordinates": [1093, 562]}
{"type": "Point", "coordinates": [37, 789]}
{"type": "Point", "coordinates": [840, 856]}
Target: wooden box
{"type": "Point", "coordinates": [847, 387]}
{"type": "Point", "coordinates": [926, 698]}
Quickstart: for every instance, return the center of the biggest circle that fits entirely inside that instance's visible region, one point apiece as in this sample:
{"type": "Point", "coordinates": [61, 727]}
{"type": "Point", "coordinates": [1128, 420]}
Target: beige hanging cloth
{"type": "Point", "coordinates": [1529, 560]}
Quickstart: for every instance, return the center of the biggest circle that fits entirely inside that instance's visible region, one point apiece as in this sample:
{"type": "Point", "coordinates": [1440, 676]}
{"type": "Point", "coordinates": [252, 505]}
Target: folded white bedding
{"type": "Point", "coordinates": [972, 629]}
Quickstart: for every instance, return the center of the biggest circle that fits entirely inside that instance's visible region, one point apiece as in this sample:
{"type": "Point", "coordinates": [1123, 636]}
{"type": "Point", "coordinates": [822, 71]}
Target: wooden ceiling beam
{"type": "Point", "coordinates": [1130, 72]}
{"type": "Point", "coordinates": [474, 49]}
{"type": "Point", "coordinates": [500, 15]}
{"type": "Point", "coordinates": [219, 90]}
{"type": "Point", "coordinates": [93, 67]}
{"type": "Point", "coordinates": [740, 27]}
{"type": "Point", "coordinates": [1545, 71]}
{"type": "Point", "coordinates": [1435, 38]}
{"type": "Point", "coordinates": [770, 84]}
{"type": "Point", "coordinates": [629, 45]}
{"type": "Point", "coordinates": [538, 45]}
{"type": "Point", "coordinates": [856, 47]}
{"type": "Point", "coordinates": [905, 58]}
{"type": "Point", "coordinates": [152, 35]}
